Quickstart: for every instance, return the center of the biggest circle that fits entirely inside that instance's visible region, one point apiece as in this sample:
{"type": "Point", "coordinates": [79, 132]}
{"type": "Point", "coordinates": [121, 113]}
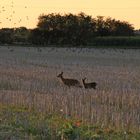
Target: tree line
{"type": "Point", "coordinates": [73, 29]}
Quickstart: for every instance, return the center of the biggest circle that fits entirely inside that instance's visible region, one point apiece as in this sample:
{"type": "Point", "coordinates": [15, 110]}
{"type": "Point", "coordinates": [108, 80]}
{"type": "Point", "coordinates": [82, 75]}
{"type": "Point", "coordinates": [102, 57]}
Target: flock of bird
{"type": "Point", "coordinates": [12, 13]}
{"type": "Point", "coordinates": [76, 83]}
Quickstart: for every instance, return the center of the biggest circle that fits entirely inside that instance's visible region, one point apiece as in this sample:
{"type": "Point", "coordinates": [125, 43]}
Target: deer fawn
{"type": "Point", "coordinates": [69, 82]}
{"type": "Point", "coordinates": [89, 85]}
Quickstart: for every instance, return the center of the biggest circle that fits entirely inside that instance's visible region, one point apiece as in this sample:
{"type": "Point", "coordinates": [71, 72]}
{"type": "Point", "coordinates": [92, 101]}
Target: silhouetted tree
{"type": "Point", "coordinates": [21, 35]}
{"type": "Point", "coordinates": [112, 27]}
{"type": "Point", "coordinates": [123, 29]}
{"type": "Point", "coordinates": [6, 35]}
{"type": "Point", "coordinates": [77, 29]}
{"type": "Point", "coordinates": [67, 29]}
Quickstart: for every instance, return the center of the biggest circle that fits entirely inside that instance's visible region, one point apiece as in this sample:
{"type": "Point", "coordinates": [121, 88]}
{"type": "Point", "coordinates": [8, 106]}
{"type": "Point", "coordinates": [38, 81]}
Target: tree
{"type": "Point", "coordinates": [112, 27]}
{"type": "Point", "coordinates": [76, 29]}
{"type": "Point", "coordinates": [123, 28]}
{"type": "Point", "coordinates": [21, 35]}
{"type": "Point", "coordinates": [67, 29]}
{"type": "Point", "coordinates": [6, 36]}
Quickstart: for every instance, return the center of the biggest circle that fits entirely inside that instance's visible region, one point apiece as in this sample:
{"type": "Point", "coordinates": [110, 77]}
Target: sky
{"type": "Point", "coordinates": [16, 13]}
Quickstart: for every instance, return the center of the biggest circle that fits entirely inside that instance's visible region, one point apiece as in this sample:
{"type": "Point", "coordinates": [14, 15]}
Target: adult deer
{"type": "Point", "coordinates": [89, 85]}
{"type": "Point", "coordinates": [69, 82]}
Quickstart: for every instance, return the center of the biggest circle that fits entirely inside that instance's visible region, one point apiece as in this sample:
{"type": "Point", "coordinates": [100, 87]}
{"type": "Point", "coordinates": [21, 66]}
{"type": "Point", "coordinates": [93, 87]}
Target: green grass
{"type": "Point", "coordinates": [117, 42]}
{"type": "Point", "coordinates": [26, 123]}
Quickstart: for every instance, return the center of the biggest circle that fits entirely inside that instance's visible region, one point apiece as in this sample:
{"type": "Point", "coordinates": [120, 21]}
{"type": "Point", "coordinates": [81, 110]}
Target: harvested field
{"type": "Point", "coordinates": [28, 77]}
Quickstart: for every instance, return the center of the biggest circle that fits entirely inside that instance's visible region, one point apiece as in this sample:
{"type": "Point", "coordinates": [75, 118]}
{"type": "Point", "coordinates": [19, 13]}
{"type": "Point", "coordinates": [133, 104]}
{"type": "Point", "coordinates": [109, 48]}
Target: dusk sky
{"type": "Point", "coordinates": [16, 13]}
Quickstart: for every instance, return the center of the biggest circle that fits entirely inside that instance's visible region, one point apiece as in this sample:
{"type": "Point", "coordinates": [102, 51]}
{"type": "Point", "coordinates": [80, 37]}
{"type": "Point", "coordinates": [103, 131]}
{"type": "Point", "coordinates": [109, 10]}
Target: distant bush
{"type": "Point", "coordinates": [21, 35]}
{"type": "Point", "coordinates": [6, 36]}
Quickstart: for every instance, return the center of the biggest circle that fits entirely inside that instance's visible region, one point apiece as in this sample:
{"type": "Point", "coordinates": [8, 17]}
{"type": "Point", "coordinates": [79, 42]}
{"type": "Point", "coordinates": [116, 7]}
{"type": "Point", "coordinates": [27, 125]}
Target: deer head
{"type": "Point", "coordinates": [60, 75]}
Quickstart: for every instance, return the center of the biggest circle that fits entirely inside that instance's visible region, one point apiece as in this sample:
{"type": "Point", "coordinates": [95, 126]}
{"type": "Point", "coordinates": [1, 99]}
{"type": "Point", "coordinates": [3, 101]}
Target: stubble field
{"type": "Point", "coordinates": [28, 77]}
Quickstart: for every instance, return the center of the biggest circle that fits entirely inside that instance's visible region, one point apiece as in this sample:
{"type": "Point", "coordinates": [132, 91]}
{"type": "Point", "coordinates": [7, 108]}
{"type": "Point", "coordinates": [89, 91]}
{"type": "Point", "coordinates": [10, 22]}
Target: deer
{"type": "Point", "coordinates": [89, 85]}
{"type": "Point", "coordinates": [69, 82]}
